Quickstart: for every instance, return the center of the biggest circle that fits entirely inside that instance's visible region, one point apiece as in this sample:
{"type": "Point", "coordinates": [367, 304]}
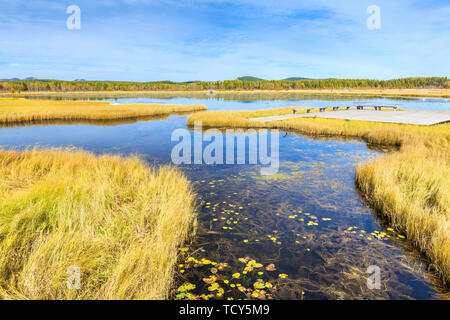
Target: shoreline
{"type": "Point", "coordinates": [412, 93]}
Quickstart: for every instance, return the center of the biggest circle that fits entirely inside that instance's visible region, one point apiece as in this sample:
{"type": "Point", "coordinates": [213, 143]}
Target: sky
{"type": "Point", "coordinates": [182, 40]}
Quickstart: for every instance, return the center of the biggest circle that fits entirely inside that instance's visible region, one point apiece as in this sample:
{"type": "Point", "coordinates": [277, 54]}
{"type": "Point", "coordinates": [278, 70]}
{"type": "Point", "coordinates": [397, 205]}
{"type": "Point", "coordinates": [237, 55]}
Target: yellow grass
{"type": "Point", "coordinates": [442, 93]}
{"type": "Point", "coordinates": [118, 220]}
{"type": "Point", "coordinates": [22, 110]}
{"type": "Point", "coordinates": [410, 187]}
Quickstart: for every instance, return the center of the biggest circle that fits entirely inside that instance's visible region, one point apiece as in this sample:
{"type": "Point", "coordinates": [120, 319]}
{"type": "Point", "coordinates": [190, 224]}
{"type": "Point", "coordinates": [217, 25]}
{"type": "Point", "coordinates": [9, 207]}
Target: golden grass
{"type": "Point", "coordinates": [22, 110]}
{"type": "Point", "coordinates": [410, 187]}
{"type": "Point", "coordinates": [442, 93]}
{"type": "Point", "coordinates": [120, 221]}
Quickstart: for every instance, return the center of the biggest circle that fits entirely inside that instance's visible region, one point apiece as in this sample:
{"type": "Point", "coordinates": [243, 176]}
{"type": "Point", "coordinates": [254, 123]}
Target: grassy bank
{"type": "Point", "coordinates": [118, 220]}
{"type": "Point", "coordinates": [410, 187]}
{"type": "Point", "coordinates": [19, 110]}
{"type": "Point", "coordinates": [437, 93]}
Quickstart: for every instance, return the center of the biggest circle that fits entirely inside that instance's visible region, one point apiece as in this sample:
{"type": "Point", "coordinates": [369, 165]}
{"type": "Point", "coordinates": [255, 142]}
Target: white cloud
{"type": "Point", "coordinates": [217, 39]}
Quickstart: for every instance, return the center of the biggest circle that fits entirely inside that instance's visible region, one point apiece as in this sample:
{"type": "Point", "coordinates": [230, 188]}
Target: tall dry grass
{"type": "Point", "coordinates": [20, 110]}
{"type": "Point", "coordinates": [118, 220]}
{"type": "Point", "coordinates": [410, 187]}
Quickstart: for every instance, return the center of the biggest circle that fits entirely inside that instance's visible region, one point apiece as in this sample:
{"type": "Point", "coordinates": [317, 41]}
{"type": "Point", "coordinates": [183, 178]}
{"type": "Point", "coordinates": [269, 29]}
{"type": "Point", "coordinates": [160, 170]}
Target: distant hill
{"type": "Point", "coordinates": [17, 79]}
{"type": "Point", "coordinates": [296, 79]}
{"type": "Point", "coordinates": [249, 78]}
{"type": "Point", "coordinates": [302, 79]}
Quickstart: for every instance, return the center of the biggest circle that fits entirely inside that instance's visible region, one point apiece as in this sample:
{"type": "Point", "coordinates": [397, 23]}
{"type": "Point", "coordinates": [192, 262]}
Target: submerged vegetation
{"type": "Point", "coordinates": [28, 111]}
{"type": "Point", "coordinates": [410, 187]}
{"type": "Point", "coordinates": [311, 243]}
{"type": "Point", "coordinates": [223, 283]}
{"type": "Point", "coordinates": [116, 219]}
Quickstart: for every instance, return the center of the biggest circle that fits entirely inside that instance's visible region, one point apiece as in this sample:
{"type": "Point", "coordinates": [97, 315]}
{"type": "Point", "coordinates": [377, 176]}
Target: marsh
{"type": "Point", "coordinates": [308, 221]}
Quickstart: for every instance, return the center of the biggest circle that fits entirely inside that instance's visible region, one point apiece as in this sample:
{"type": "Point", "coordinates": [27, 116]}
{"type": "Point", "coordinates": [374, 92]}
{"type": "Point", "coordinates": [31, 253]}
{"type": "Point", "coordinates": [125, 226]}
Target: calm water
{"type": "Point", "coordinates": [254, 102]}
{"type": "Point", "coordinates": [307, 224]}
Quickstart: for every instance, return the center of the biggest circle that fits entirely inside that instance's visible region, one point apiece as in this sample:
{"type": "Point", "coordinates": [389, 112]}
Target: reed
{"type": "Point", "coordinates": [121, 222]}
{"type": "Point", "coordinates": [410, 186]}
{"type": "Point", "coordinates": [20, 110]}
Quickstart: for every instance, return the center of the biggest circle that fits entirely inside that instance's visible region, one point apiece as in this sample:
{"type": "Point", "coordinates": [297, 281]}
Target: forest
{"type": "Point", "coordinates": [36, 85]}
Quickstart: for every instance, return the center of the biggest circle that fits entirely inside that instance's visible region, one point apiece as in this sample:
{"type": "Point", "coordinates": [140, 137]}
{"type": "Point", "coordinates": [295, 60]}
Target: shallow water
{"type": "Point", "coordinates": [306, 224]}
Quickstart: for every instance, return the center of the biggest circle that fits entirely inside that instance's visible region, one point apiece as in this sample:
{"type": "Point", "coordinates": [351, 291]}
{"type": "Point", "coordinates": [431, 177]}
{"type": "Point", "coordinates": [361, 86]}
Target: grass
{"type": "Point", "coordinates": [20, 110]}
{"type": "Point", "coordinates": [410, 187]}
{"type": "Point", "coordinates": [121, 222]}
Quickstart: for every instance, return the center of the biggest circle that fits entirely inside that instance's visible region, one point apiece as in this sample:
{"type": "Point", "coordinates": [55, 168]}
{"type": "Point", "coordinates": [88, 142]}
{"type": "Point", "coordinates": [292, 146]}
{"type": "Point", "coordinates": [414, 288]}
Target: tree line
{"type": "Point", "coordinates": [67, 86]}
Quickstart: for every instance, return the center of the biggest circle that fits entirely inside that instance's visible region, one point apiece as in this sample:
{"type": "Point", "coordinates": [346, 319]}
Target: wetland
{"type": "Point", "coordinates": [303, 233]}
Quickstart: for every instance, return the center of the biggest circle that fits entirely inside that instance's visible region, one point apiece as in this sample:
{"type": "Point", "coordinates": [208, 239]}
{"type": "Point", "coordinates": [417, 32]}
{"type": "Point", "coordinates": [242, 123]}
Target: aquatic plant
{"type": "Point", "coordinates": [409, 186]}
{"type": "Point", "coordinates": [223, 283]}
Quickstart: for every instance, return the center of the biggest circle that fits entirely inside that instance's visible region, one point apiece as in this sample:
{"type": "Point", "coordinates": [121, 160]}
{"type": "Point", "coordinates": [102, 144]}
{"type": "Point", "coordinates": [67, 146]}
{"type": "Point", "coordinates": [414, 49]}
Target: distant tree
{"type": "Point", "coordinates": [64, 86]}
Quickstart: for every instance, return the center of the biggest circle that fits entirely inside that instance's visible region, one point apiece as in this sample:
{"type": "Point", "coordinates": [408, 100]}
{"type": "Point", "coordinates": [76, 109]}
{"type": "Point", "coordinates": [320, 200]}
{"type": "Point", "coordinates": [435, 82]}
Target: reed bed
{"type": "Point", "coordinates": [20, 110]}
{"type": "Point", "coordinates": [116, 219]}
{"type": "Point", "coordinates": [410, 187]}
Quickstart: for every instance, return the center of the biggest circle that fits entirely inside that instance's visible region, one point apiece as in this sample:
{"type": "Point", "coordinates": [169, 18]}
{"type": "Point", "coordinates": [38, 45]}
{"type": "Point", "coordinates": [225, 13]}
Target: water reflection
{"type": "Point", "coordinates": [255, 101]}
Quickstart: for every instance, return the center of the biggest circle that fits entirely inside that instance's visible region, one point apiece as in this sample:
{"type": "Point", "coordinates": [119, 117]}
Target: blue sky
{"type": "Point", "coordinates": [180, 40]}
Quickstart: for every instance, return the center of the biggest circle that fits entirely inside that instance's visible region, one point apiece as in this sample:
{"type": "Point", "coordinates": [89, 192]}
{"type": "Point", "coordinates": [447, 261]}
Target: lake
{"type": "Point", "coordinates": [307, 226]}
{"type": "Point", "coordinates": [248, 101]}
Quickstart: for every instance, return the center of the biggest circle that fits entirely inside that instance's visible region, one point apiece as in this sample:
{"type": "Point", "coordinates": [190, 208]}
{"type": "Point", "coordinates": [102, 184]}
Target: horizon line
{"type": "Point", "coordinates": [236, 79]}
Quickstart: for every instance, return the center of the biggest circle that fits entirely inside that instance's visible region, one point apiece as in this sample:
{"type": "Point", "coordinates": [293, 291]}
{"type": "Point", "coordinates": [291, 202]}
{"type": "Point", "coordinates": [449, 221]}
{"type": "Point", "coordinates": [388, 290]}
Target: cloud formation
{"type": "Point", "coordinates": [147, 40]}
